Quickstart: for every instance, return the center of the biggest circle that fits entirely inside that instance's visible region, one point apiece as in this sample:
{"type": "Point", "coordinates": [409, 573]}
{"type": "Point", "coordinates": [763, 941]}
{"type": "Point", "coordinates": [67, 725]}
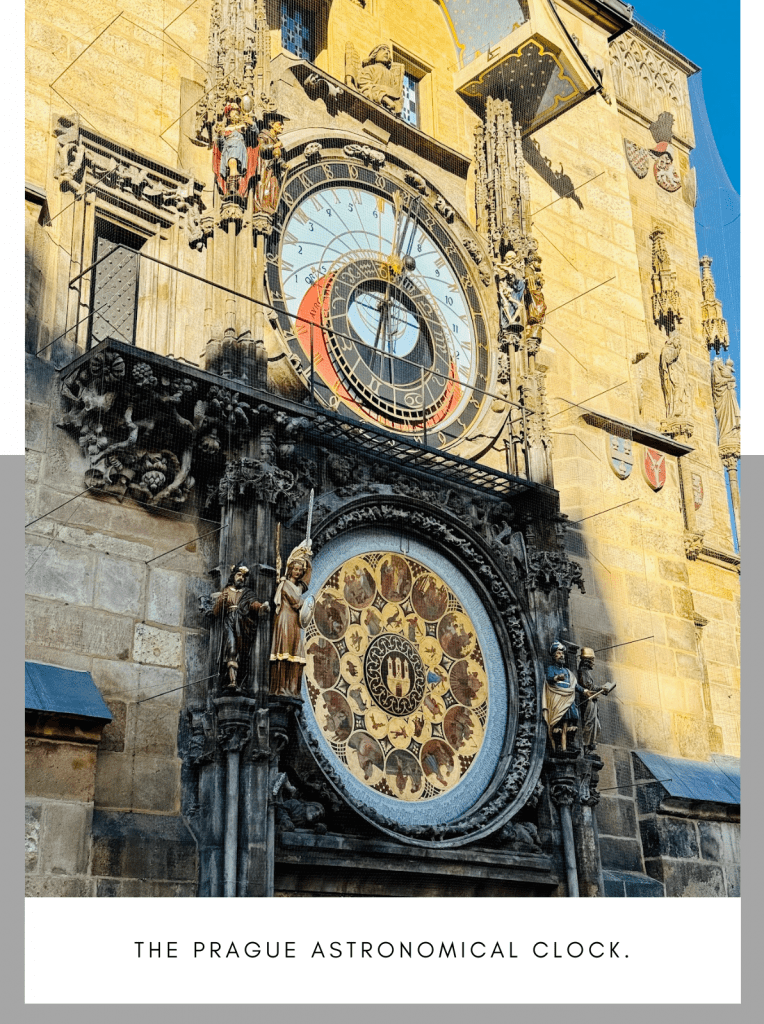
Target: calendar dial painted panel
{"type": "Point", "coordinates": [404, 688]}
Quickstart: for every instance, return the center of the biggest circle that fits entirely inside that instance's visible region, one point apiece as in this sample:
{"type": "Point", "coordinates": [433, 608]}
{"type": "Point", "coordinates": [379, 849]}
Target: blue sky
{"type": "Point", "coordinates": [708, 33]}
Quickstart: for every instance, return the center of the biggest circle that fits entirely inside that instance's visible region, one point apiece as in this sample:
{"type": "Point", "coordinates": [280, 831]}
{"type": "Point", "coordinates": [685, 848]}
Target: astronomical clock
{"type": "Point", "coordinates": [414, 692]}
{"type": "Point", "coordinates": [379, 303]}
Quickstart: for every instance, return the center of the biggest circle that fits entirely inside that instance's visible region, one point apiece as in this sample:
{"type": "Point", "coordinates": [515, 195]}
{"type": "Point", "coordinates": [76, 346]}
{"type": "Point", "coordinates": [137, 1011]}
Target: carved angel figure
{"type": "Point", "coordinates": [293, 612]}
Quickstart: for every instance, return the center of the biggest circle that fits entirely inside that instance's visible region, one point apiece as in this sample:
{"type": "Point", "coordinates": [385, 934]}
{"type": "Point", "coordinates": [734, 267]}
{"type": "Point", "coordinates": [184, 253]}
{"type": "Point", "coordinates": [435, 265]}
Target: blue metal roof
{"type": "Point", "coordinates": [51, 688]}
{"type": "Point", "coordinates": [717, 780]}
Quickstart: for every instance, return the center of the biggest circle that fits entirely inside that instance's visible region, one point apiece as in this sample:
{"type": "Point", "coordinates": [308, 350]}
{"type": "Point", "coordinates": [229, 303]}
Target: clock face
{"type": "Point", "coordinates": [404, 680]}
{"type": "Point", "coordinates": [378, 304]}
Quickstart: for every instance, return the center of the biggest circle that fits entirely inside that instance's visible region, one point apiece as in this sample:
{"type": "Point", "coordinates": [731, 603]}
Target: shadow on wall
{"type": "Point", "coordinates": [542, 165]}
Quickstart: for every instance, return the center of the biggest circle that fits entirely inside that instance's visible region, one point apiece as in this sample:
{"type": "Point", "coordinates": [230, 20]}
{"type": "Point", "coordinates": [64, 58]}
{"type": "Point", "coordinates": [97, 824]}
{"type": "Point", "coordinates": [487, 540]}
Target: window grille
{"type": "Point", "coordinates": [298, 30]}
{"type": "Point", "coordinates": [410, 111]}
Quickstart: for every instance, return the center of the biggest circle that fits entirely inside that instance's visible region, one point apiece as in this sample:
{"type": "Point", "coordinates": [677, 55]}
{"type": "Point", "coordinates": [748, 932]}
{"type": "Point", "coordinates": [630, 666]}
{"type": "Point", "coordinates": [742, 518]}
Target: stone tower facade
{"type": "Point", "coordinates": [378, 449]}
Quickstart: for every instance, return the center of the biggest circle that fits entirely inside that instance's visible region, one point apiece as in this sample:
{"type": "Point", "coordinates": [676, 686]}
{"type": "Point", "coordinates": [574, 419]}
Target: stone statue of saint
{"type": "Point", "coordinates": [381, 80]}
{"type": "Point", "coordinates": [239, 610]}
{"type": "Point", "coordinates": [588, 709]}
{"type": "Point", "coordinates": [233, 157]}
{"type": "Point", "coordinates": [293, 613]}
{"type": "Point", "coordinates": [723, 386]}
{"type": "Point", "coordinates": [558, 701]}
{"type": "Point", "coordinates": [673, 380]}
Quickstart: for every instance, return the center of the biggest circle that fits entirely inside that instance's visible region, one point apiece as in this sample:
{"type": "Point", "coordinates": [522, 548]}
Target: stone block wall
{"type": "Point", "coordinates": [692, 857]}
{"type": "Point", "coordinates": [100, 600]}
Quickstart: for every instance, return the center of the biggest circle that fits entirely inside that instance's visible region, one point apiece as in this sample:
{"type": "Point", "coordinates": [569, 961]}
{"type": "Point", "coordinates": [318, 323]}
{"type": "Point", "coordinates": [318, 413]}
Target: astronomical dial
{"type": "Point", "coordinates": [378, 304]}
{"type": "Point", "coordinates": [396, 676]}
{"type": "Point", "coordinates": [405, 687]}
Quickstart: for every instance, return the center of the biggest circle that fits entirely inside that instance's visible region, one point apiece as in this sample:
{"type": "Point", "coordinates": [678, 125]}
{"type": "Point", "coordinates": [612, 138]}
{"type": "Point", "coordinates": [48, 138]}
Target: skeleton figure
{"type": "Point", "coordinates": [588, 708]}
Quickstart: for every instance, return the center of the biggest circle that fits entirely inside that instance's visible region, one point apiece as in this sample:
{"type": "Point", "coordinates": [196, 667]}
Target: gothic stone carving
{"type": "Point", "coordinates": [521, 836]}
{"type": "Point", "coordinates": [246, 477]}
{"type": "Point", "coordinates": [201, 746]}
{"type": "Point", "coordinates": [589, 772]}
{"type": "Point", "coordinates": [143, 427]}
{"type": "Point", "coordinates": [375, 157]}
{"type": "Point", "coordinates": [647, 82]}
{"type": "Point", "coordinates": [693, 544]}
{"type": "Point", "coordinates": [548, 570]}
{"type": "Point", "coordinates": [239, 62]}
{"type": "Point", "coordinates": [714, 325]}
{"type": "Point", "coordinates": [86, 161]}
{"type": "Point", "coordinates": [667, 312]}
{"type": "Point", "coordinates": [378, 78]}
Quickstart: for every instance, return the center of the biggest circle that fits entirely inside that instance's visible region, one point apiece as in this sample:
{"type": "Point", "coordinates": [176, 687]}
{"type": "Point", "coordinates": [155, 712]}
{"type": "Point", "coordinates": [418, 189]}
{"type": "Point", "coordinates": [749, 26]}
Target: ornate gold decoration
{"type": "Point", "coordinates": [396, 677]}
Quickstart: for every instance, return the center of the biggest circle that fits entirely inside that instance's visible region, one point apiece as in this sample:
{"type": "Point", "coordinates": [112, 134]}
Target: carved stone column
{"type": "Point", "coordinates": [564, 788]}
{"type": "Point", "coordinates": [730, 456]}
{"type": "Point", "coordinates": [235, 720]}
{"type": "Point", "coordinates": [590, 879]}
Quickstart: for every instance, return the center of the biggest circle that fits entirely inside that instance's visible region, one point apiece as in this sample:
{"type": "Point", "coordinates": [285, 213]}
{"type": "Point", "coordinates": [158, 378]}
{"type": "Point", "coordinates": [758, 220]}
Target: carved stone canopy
{"type": "Point", "coordinates": [536, 66]}
{"type": "Point", "coordinates": [667, 311]}
{"type": "Point", "coordinates": [714, 325]}
{"type": "Point", "coordinates": [156, 196]}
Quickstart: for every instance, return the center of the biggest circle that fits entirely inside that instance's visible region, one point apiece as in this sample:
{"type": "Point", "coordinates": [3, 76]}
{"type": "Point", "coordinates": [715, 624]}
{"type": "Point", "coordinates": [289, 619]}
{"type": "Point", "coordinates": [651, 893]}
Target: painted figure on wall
{"type": "Point", "coordinates": [239, 610]}
{"type": "Point", "coordinates": [558, 704]}
{"type": "Point", "coordinates": [234, 158]}
{"type": "Point", "coordinates": [380, 80]}
{"type": "Point", "coordinates": [293, 613]}
{"type": "Point", "coordinates": [268, 169]}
